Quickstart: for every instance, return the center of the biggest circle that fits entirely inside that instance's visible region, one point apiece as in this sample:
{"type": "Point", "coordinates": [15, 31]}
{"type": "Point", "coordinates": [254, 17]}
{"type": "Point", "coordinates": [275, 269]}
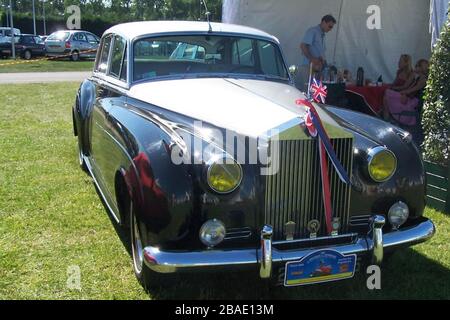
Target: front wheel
{"type": "Point", "coordinates": [27, 55]}
{"type": "Point", "coordinates": [142, 272]}
{"type": "Point", "coordinates": [75, 56]}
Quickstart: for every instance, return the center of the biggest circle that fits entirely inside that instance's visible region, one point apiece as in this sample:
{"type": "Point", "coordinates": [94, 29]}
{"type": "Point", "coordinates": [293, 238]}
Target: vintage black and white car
{"type": "Point", "coordinates": [200, 144]}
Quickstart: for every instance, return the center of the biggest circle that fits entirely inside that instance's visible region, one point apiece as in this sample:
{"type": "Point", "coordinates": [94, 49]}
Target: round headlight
{"type": "Point", "coordinates": [382, 164]}
{"type": "Point", "coordinates": [224, 175]}
{"type": "Point", "coordinates": [398, 214]}
{"type": "Point", "coordinates": [212, 232]}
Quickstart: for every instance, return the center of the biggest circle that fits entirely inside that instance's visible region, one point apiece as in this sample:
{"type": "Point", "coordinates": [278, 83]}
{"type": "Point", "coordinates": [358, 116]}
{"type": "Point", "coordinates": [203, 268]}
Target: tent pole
{"type": "Point", "coordinates": [337, 32]}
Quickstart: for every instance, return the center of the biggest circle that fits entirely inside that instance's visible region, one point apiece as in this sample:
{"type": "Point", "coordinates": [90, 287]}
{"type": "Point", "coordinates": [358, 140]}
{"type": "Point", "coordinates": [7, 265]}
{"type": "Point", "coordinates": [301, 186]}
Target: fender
{"type": "Point", "coordinates": [409, 179]}
{"type": "Point", "coordinates": [162, 192]}
{"type": "Point", "coordinates": [82, 110]}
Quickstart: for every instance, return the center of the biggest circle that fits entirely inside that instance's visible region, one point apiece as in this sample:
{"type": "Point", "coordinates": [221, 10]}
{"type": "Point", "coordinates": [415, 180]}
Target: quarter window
{"type": "Point", "coordinates": [117, 56]}
{"type": "Point", "coordinates": [102, 63]}
{"type": "Point", "coordinates": [123, 72]}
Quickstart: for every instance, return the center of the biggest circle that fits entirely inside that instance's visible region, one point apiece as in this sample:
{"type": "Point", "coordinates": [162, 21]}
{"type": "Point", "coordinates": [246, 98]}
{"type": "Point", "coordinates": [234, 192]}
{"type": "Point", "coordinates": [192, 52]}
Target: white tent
{"type": "Point", "coordinates": [370, 33]}
{"type": "Point", "coordinates": [438, 16]}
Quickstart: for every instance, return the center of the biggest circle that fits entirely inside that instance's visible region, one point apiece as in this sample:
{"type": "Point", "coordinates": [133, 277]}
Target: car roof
{"type": "Point", "coordinates": [72, 31]}
{"type": "Point", "coordinates": [133, 30]}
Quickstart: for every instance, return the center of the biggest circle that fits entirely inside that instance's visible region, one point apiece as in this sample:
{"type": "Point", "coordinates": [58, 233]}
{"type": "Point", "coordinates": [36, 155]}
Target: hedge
{"type": "Point", "coordinates": [24, 22]}
{"type": "Point", "coordinates": [436, 114]}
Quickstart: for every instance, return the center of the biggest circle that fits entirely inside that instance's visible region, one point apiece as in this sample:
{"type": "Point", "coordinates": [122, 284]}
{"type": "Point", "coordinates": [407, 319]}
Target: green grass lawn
{"type": "Point", "coordinates": [51, 218]}
{"type": "Point", "coordinates": [20, 65]}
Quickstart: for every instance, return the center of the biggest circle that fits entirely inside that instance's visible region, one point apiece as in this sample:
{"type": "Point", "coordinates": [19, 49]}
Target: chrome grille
{"type": "Point", "coordinates": [295, 192]}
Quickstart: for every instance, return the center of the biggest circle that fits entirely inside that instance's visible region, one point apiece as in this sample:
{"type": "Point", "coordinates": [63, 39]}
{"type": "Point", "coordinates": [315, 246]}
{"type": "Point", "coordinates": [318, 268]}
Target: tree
{"type": "Point", "coordinates": [109, 12]}
{"type": "Point", "coordinates": [436, 116]}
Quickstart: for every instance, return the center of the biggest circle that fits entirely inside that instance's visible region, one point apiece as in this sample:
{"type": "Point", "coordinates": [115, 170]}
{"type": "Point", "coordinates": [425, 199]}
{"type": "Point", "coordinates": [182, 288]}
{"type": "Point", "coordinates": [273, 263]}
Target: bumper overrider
{"type": "Point", "coordinates": [371, 246]}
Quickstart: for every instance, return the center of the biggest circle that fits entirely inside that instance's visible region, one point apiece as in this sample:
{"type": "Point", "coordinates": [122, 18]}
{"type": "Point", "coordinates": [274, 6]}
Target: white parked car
{"type": "Point", "coordinates": [5, 34]}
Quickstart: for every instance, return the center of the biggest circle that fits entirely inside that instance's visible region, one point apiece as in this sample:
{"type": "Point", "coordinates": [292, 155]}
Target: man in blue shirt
{"type": "Point", "coordinates": [313, 50]}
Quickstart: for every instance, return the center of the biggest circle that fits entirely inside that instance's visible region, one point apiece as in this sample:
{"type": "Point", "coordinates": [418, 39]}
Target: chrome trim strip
{"type": "Point", "coordinates": [168, 262]}
{"type": "Point", "coordinates": [238, 233]}
{"type": "Point", "coordinates": [341, 236]}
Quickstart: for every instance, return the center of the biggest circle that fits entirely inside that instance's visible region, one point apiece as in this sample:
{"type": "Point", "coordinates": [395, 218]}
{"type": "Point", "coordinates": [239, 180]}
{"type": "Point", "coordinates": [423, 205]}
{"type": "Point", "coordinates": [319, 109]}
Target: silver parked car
{"type": "Point", "coordinates": [75, 44]}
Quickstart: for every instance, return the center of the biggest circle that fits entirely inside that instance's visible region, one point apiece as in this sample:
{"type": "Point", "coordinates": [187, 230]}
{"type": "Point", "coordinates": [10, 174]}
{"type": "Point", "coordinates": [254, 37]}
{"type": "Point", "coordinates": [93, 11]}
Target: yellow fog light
{"type": "Point", "coordinates": [382, 164]}
{"type": "Point", "coordinates": [224, 175]}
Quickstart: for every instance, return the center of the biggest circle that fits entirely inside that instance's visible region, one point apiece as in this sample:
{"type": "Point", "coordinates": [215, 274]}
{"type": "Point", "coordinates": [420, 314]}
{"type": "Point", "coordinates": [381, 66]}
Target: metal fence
{"type": "Point", "coordinates": [438, 186]}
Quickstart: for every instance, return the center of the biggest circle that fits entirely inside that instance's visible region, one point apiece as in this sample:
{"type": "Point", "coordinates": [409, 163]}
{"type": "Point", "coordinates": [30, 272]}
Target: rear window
{"type": "Point", "coordinates": [27, 40]}
{"type": "Point", "coordinates": [61, 36]}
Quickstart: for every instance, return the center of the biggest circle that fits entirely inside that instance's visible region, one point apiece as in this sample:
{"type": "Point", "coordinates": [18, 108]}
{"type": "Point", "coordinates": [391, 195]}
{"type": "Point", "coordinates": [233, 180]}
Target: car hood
{"type": "Point", "coordinates": [248, 107]}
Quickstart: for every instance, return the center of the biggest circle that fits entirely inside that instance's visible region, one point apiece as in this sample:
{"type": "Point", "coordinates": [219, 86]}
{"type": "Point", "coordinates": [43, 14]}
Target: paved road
{"type": "Point", "coordinates": [43, 77]}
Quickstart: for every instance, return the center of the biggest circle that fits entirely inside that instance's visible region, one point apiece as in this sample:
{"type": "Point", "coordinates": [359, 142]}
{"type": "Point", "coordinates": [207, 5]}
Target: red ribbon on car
{"type": "Point", "coordinates": [317, 130]}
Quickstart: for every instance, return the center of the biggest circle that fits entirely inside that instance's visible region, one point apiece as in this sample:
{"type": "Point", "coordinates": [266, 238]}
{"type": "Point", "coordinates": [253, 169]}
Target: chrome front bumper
{"type": "Point", "coordinates": [373, 245]}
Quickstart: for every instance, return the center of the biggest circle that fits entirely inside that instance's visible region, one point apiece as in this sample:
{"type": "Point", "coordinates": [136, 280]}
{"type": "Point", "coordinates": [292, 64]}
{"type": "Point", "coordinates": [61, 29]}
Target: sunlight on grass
{"type": "Point", "coordinates": [50, 215]}
{"type": "Point", "coordinates": [51, 218]}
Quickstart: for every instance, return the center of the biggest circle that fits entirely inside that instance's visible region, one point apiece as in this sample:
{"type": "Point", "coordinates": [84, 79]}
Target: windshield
{"type": "Point", "coordinates": [206, 55]}
{"type": "Point", "coordinates": [61, 36]}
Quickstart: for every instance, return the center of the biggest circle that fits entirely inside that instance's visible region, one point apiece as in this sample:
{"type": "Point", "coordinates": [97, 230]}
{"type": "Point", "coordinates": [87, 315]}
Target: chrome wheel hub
{"type": "Point", "coordinates": [137, 248]}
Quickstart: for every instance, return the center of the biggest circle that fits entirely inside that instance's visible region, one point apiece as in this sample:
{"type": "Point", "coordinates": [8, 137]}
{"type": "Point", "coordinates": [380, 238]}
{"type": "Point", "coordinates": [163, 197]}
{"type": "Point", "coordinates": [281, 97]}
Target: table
{"type": "Point", "coordinates": [335, 94]}
{"type": "Point", "coordinates": [374, 95]}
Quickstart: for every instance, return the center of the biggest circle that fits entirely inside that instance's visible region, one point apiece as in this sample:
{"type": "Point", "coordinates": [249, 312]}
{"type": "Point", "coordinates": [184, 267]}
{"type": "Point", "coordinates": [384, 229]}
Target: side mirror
{"type": "Point", "coordinates": [293, 70]}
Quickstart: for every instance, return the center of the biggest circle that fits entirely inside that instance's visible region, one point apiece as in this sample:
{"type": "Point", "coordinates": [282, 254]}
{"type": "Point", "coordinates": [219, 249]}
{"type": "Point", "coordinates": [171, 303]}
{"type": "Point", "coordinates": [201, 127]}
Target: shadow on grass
{"type": "Point", "coordinates": [121, 231]}
{"type": "Point", "coordinates": [407, 275]}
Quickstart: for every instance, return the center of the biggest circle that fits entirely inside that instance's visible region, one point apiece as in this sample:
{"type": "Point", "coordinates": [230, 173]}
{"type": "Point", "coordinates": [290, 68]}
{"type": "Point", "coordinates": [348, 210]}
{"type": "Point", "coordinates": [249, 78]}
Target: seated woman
{"type": "Point", "coordinates": [405, 73]}
{"type": "Point", "coordinates": [408, 99]}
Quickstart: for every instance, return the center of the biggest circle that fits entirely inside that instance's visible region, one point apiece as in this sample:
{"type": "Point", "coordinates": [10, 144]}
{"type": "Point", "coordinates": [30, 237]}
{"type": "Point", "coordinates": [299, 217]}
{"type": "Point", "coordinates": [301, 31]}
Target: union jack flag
{"type": "Point", "coordinates": [318, 91]}
{"type": "Point", "coordinates": [316, 129]}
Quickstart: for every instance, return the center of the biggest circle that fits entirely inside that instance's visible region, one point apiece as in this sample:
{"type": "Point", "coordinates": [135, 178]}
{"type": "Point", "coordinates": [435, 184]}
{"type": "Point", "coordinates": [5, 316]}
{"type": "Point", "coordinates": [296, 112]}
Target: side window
{"type": "Point", "coordinates": [102, 59]}
{"type": "Point", "coordinates": [79, 37]}
{"type": "Point", "coordinates": [91, 38]}
{"type": "Point", "coordinates": [117, 56]}
{"type": "Point", "coordinates": [27, 40]}
{"type": "Point", "coordinates": [242, 53]}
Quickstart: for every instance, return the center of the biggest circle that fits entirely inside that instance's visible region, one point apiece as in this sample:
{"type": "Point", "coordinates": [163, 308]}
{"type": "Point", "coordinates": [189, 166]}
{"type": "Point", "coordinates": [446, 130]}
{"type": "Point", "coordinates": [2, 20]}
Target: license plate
{"type": "Point", "coordinates": [318, 267]}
